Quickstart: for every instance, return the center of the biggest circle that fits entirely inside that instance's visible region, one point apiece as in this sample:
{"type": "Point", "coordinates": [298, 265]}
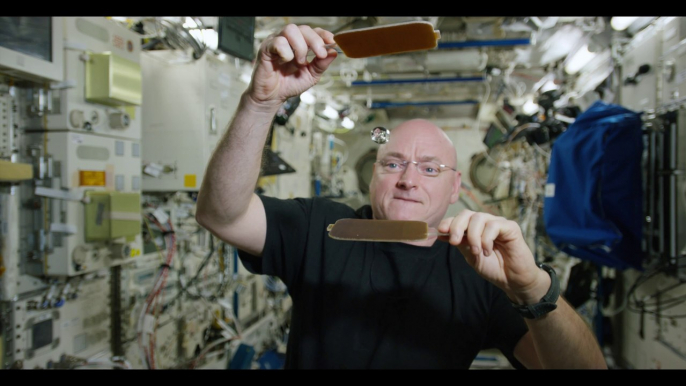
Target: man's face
{"type": "Point", "coordinates": [409, 195]}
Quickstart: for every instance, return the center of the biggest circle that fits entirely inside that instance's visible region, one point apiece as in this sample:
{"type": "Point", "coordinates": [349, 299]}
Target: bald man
{"type": "Point", "coordinates": [429, 304]}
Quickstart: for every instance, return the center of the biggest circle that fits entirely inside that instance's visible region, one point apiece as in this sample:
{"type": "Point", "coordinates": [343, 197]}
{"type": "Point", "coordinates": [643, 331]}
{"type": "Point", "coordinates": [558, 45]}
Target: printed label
{"type": "Point", "coordinates": [118, 42]}
{"type": "Point", "coordinates": [160, 215]}
{"type": "Point", "coordinates": [550, 190]}
{"type": "Point", "coordinates": [680, 77]}
{"type": "Point", "coordinates": [189, 181]}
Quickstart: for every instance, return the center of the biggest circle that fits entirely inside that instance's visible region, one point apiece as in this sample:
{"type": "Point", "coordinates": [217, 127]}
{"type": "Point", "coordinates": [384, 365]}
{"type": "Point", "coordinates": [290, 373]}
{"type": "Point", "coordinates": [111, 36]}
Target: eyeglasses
{"type": "Point", "coordinates": [425, 168]}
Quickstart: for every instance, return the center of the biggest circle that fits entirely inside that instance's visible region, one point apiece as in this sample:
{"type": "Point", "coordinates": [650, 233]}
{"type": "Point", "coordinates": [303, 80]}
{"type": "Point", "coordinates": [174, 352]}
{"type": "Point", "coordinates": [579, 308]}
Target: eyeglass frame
{"type": "Point", "coordinates": [442, 168]}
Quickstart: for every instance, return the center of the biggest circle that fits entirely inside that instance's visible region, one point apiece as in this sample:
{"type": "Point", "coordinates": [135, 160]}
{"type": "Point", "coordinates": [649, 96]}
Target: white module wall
{"type": "Point", "coordinates": [644, 49]}
{"type": "Point", "coordinates": [292, 148]}
{"type": "Point", "coordinates": [75, 323]}
{"type": "Point", "coordinates": [673, 61]}
{"type": "Point", "coordinates": [69, 109]}
{"type": "Point", "coordinates": [69, 252]}
{"type": "Point", "coordinates": [187, 109]}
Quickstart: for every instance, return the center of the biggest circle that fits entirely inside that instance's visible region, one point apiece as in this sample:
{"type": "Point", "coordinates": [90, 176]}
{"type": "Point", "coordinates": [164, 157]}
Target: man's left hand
{"type": "Point", "coordinates": [495, 248]}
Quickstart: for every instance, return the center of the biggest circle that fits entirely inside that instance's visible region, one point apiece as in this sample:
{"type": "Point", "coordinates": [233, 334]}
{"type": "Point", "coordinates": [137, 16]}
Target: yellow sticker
{"type": "Point", "coordinates": [131, 110]}
{"type": "Point", "coordinates": [135, 252]}
{"type": "Point", "coordinates": [91, 178]}
{"type": "Point", "coordinates": [265, 181]}
{"type": "Point", "coordinates": [189, 181]}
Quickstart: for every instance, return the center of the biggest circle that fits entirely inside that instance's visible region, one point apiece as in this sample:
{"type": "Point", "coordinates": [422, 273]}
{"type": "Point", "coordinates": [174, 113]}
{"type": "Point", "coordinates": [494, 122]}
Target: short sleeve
{"type": "Point", "coordinates": [505, 327]}
{"type": "Point", "coordinates": [284, 248]}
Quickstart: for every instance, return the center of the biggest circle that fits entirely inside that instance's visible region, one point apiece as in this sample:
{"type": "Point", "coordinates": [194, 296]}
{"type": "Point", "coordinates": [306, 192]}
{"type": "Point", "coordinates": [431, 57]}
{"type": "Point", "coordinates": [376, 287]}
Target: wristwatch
{"type": "Point", "coordinates": [547, 303]}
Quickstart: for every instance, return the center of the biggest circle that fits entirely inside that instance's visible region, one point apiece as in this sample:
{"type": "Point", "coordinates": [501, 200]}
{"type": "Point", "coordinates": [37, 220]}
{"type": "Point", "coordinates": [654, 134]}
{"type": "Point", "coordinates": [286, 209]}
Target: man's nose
{"type": "Point", "coordinates": [408, 177]}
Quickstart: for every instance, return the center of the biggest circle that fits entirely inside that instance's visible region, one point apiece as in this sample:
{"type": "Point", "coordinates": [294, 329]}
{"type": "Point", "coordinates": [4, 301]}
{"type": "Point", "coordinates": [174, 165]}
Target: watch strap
{"type": "Point", "coordinates": [547, 303]}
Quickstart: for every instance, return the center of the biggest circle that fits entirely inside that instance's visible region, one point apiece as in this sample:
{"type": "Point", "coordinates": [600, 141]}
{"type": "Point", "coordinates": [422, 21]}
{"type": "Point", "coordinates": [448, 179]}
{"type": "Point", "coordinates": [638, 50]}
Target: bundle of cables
{"type": "Point", "coordinates": [229, 335]}
{"type": "Point", "coordinates": [147, 321]}
{"type": "Point", "coordinates": [73, 363]}
{"type": "Point", "coordinates": [197, 360]}
{"type": "Point", "coordinates": [224, 275]}
{"type": "Point", "coordinates": [654, 303]}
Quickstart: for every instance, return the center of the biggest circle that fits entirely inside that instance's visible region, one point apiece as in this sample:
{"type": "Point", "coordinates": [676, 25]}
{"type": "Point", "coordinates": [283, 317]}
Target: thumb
{"type": "Point", "coordinates": [444, 238]}
{"type": "Point", "coordinates": [319, 65]}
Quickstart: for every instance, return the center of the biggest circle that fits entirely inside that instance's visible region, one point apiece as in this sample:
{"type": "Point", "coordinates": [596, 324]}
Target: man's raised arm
{"type": "Point", "coordinates": [227, 205]}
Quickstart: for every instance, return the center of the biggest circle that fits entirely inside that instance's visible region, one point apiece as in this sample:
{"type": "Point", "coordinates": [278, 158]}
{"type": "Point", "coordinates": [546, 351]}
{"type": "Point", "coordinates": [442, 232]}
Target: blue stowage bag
{"type": "Point", "coordinates": [593, 197]}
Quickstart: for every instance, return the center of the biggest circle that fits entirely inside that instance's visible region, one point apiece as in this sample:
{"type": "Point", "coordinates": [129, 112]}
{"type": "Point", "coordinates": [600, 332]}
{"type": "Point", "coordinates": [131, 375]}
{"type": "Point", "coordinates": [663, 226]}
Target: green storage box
{"type": "Point", "coordinates": [110, 215]}
{"type": "Point", "coordinates": [114, 81]}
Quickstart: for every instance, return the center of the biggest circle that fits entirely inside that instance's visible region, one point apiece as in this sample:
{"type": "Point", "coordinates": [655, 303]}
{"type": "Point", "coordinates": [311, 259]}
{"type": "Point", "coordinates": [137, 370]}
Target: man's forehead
{"type": "Point", "coordinates": [418, 147]}
{"type": "Point", "coordinates": [419, 138]}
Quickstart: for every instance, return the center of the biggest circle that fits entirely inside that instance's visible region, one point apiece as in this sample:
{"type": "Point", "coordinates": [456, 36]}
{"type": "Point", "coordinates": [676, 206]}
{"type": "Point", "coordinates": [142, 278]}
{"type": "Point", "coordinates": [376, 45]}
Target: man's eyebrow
{"type": "Point", "coordinates": [421, 159]}
{"type": "Point", "coordinates": [430, 158]}
{"type": "Point", "coordinates": [395, 154]}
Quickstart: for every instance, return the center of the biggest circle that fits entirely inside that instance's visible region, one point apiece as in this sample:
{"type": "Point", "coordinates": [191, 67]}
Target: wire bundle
{"type": "Point", "coordinates": [151, 304]}
{"type": "Point", "coordinates": [224, 274]}
{"type": "Point", "coordinates": [647, 304]}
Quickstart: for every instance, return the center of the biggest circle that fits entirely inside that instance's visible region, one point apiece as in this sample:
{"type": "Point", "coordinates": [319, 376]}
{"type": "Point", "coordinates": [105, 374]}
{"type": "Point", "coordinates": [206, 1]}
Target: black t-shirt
{"type": "Point", "coordinates": [375, 304]}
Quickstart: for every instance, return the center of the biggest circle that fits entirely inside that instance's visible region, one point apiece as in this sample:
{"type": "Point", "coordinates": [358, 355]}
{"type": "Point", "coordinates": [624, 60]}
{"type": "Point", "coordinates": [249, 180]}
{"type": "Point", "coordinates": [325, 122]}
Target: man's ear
{"type": "Point", "coordinates": [455, 195]}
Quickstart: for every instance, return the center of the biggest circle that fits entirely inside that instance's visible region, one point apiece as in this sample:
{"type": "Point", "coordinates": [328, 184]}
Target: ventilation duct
{"type": "Point", "coordinates": [431, 61]}
{"type": "Point", "coordinates": [458, 61]}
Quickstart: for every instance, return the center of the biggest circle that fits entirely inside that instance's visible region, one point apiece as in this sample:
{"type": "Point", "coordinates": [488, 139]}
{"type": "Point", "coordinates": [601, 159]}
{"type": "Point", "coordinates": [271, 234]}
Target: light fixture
{"type": "Point", "coordinates": [530, 107]}
{"type": "Point", "coordinates": [348, 123]}
{"type": "Point", "coordinates": [579, 59]}
{"type": "Point", "coordinates": [594, 73]}
{"type": "Point", "coordinates": [330, 112]}
{"type": "Point", "coordinates": [639, 24]}
{"type": "Point", "coordinates": [549, 85]}
{"type": "Point", "coordinates": [546, 83]}
{"type": "Point", "coordinates": [622, 23]}
{"type": "Point", "coordinates": [561, 43]}
{"type": "Point", "coordinates": [190, 23]}
{"type": "Point", "coordinates": [307, 98]}
{"type": "Point", "coordinates": [210, 38]}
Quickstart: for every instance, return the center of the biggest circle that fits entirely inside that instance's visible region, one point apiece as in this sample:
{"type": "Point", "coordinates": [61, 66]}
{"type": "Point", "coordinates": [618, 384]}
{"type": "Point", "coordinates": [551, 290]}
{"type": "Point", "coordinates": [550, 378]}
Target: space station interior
{"type": "Point", "coordinates": [107, 125]}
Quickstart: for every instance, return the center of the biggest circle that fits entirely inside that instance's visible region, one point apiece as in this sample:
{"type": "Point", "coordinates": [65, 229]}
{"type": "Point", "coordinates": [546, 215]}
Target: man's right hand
{"type": "Point", "coordinates": [281, 68]}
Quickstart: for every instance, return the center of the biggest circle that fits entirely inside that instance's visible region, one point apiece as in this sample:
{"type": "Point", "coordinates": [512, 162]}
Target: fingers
{"type": "Point", "coordinates": [324, 56]}
{"type": "Point", "coordinates": [494, 247]}
{"type": "Point", "coordinates": [294, 42]}
{"type": "Point", "coordinates": [444, 225]}
{"type": "Point", "coordinates": [489, 234]}
{"type": "Point", "coordinates": [455, 226]}
{"type": "Point", "coordinates": [300, 38]}
{"type": "Point", "coordinates": [325, 35]}
{"type": "Point", "coordinates": [280, 49]}
{"type": "Point", "coordinates": [478, 231]}
{"type": "Point", "coordinates": [282, 69]}
{"type": "Point", "coordinates": [317, 45]}
{"type": "Point", "coordinates": [477, 223]}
